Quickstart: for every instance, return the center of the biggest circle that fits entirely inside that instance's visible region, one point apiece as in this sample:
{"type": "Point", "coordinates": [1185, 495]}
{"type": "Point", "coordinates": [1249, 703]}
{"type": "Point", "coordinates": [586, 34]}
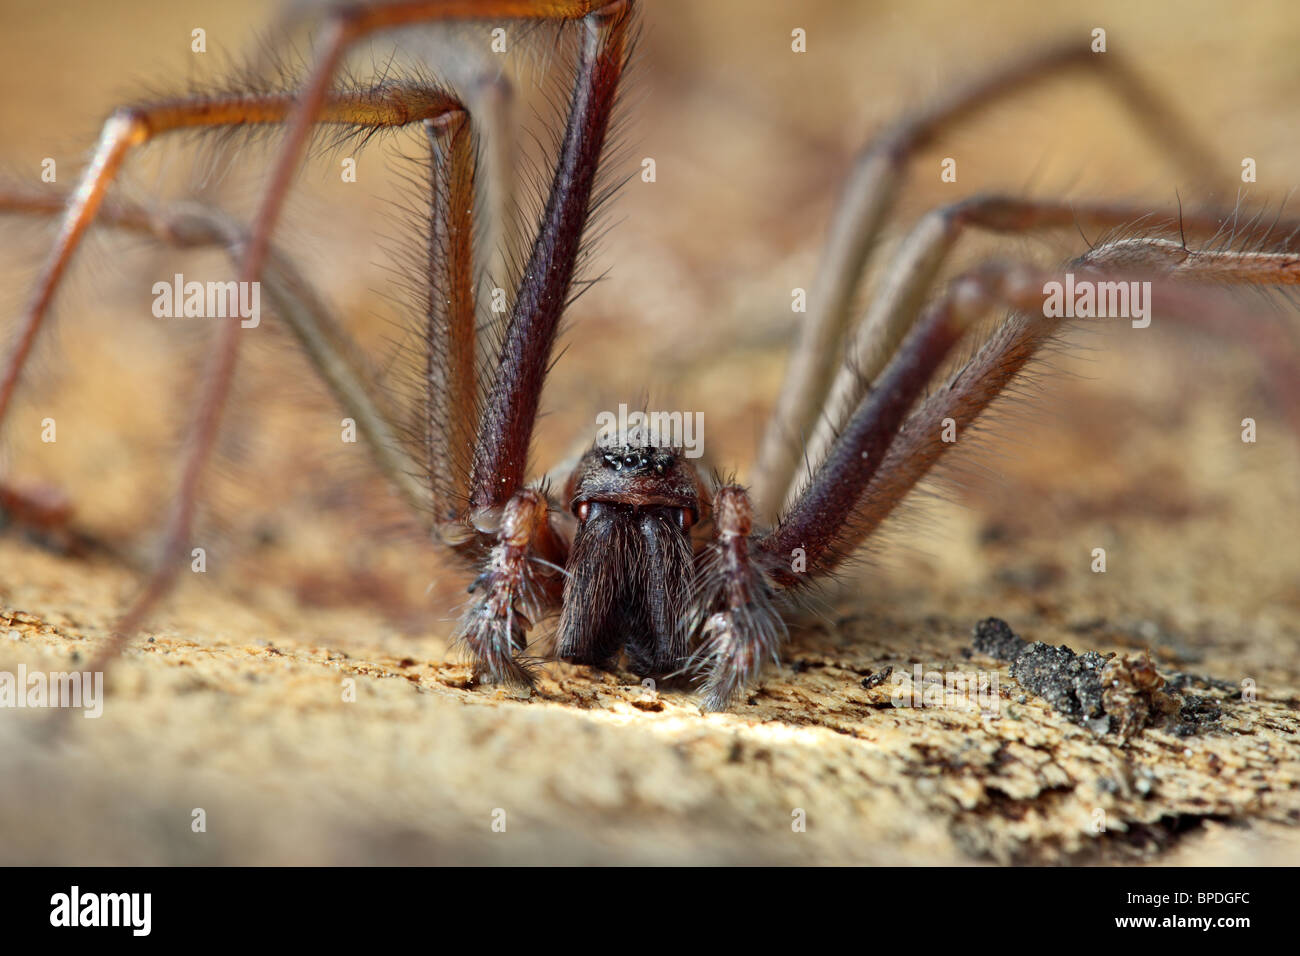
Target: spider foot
{"type": "Point", "coordinates": [740, 626]}
{"type": "Point", "coordinates": [495, 631]}
{"type": "Point", "coordinates": [736, 643]}
{"type": "Point", "coordinates": [495, 626]}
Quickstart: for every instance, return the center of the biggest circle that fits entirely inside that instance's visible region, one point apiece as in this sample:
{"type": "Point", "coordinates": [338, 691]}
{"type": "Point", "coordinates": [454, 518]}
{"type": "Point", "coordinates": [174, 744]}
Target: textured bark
{"type": "Point", "coordinates": [241, 712]}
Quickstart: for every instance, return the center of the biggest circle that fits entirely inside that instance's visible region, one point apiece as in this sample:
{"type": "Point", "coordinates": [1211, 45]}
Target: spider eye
{"type": "Point", "coordinates": [590, 509]}
{"type": "Point", "coordinates": [684, 518]}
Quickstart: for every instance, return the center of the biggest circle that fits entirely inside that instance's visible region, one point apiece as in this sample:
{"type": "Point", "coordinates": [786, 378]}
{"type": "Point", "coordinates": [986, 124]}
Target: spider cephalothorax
{"type": "Point", "coordinates": [658, 566]}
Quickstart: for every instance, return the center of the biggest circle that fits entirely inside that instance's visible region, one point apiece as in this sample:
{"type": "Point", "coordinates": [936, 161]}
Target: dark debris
{"type": "Point", "coordinates": [1070, 682]}
{"type": "Point", "coordinates": [878, 678]}
{"type": "Point", "coordinates": [1104, 692]}
{"type": "Point", "coordinates": [994, 638]}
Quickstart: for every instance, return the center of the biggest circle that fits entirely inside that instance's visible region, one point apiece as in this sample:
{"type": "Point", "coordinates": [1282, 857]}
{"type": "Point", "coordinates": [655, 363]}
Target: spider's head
{"type": "Point", "coordinates": [632, 561]}
{"type": "Point", "coordinates": [638, 478]}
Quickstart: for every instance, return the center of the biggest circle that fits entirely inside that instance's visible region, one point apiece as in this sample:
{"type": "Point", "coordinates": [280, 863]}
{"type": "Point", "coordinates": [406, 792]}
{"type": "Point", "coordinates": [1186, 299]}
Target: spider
{"type": "Point", "coordinates": [641, 551]}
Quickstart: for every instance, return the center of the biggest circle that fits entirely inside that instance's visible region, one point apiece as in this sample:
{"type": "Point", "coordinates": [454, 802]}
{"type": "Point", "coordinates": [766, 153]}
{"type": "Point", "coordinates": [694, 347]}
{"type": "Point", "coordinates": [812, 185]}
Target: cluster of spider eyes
{"type": "Point", "coordinates": [632, 461]}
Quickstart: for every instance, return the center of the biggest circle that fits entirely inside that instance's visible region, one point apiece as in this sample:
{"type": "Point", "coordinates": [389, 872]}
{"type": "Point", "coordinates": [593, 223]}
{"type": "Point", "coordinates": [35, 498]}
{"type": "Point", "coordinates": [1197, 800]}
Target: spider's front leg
{"type": "Point", "coordinates": [734, 603]}
{"type": "Point", "coordinates": [519, 570]}
{"type": "Point", "coordinates": [867, 202]}
{"type": "Point", "coordinates": [742, 574]}
{"type": "Point", "coordinates": [883, 451]}
{"type": "Point", "coordinates": [514, 588]}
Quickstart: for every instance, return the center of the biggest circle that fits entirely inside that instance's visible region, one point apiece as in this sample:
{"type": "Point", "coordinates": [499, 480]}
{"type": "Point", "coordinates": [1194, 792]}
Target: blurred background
{"type": "Point", "coordinates": [1134, 445]}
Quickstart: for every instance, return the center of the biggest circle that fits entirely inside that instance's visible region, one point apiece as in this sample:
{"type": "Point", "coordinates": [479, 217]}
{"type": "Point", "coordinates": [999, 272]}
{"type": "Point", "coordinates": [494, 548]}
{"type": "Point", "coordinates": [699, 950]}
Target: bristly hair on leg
{"type": "Point", "coordinates": [500, 505]}
{"type": "Point", "coordinates": [733, 605]}
{"type": "Point", "coordinates": [512, 595]}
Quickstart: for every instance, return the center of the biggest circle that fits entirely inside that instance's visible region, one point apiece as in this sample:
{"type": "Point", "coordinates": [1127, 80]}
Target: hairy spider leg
{"type": "Point", "coordinates": [524, 582]}
{"type": "Point", "coordinates": [866, 201]}
{"type": "Point", "coordinates": [131, 126]}
{"type": "Point", "coordinates": [883, 450]}
{"type": "Point", "coordinates": [331, 351]}
{"type": "Point", "coordinates": [916, 265]}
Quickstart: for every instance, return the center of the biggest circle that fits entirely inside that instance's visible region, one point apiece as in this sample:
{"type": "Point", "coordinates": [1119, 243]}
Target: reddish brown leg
{"type": "Point", "coordinates": [815, 523]}
{"type": "Point", "coordinates": [330, 349]}
{"type": "Point", "coordinates": [883, 451]}
{"type": "Point", "coordinates": [918, 446]}
{"type": "Point", "coordinates": [451, 415]}
{"type": "Point", "coordinates": [912, 273]}
{"type": "Point", "coordinates": [843, 503]}
{"type": "Point", "coordinates": [507, 426]}
{"type": "Point", "coordinates": [383, 107]}
{"type": "Point", "coordinates": [135, 125]}
{"type": "Point", "coordinates": [499, 504]}
{"type": "Point", "coordinates": [740, 626]}
{"type": "Point", "coordinates": [867, 200]}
